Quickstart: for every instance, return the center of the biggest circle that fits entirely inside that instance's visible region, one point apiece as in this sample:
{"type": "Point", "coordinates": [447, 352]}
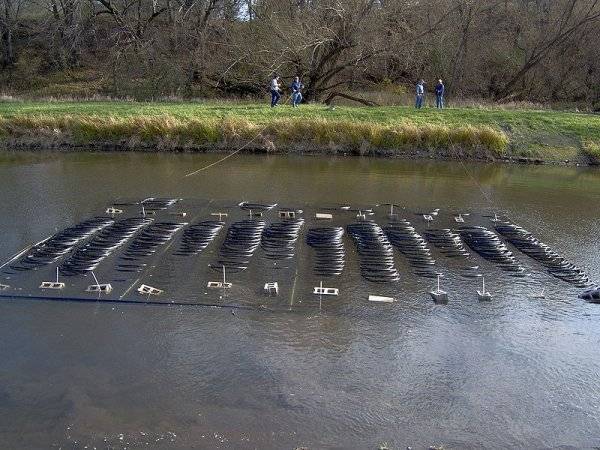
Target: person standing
{"type": "Point", "coordinates": [420, 94]}
{"type": "Point", "coordinates": [296, 87]}
{"type": "Point", "coordinates": [275, 94]}
{"type": "Point", "coordinates": [439, 95]}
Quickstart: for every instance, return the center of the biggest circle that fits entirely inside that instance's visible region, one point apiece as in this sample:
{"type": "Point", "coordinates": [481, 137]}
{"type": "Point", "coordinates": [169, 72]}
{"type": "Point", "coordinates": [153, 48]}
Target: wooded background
{"type": "Point", "coordinates": [501, 50]}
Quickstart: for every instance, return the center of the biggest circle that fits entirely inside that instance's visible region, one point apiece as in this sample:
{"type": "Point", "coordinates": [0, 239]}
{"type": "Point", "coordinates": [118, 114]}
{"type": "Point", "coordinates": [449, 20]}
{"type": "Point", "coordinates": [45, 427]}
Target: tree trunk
{"type": "Point", "coordinates": [8, 52]}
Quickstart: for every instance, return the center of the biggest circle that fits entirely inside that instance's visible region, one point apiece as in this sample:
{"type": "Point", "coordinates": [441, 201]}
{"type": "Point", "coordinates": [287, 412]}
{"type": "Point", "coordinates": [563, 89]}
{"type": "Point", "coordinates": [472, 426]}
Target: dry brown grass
{"type": "Point", "coordinates": [282, 132]}
{"type": "Point", "coordinates": [592, 150]}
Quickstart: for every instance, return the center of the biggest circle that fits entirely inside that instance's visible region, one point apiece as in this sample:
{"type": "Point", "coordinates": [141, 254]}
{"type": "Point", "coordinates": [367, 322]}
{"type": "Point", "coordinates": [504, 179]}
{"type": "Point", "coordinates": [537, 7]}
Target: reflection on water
{"type": "Point", "coordinates": [515, 372]}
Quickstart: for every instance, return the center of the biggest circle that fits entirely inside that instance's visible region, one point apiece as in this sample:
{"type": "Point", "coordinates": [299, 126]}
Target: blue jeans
{"type": "Point", "coordinates": [275, 96]}
{"type": "Point", "coordinates": [439, 101]}
{"type": "Point", "coordinates": [296, 98]}
{"type": "Point", "coordinates": [419, 101]}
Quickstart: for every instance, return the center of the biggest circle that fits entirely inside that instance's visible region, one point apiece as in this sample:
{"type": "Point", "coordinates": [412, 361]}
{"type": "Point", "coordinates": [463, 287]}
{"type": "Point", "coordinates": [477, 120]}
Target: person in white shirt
{"type": "Point", "coordinates": [275, 91]}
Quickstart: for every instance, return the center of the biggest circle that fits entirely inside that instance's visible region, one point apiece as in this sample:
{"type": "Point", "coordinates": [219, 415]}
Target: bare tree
{"type": "Point", "coordinates": [9, 16]}
{"type": "Point", "coordinates": [562, 20]}
{"type": "Point", "coordinates": [545, 50]}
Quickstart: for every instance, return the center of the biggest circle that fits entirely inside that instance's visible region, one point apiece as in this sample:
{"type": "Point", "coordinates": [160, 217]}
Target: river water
{"type": "Point", "coordinates": [515, 372]}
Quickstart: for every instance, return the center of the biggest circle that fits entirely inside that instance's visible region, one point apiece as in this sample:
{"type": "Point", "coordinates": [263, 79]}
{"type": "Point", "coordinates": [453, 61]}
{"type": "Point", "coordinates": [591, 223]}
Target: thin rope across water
{"type": "Point", "coordinates": [235, 152]}
{"type": "Point", "coordinates": [470, 175]}
{"type": "Point", "coordinates": [228, 156]}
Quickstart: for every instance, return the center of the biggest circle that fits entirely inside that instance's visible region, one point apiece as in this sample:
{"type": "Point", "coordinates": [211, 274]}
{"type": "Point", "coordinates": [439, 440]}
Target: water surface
{"type": "Point", "coordinates": [517, 372]}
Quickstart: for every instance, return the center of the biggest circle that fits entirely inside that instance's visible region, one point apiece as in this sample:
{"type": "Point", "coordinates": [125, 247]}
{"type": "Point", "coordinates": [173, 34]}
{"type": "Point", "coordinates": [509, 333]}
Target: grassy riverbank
{"type": "Point", "coordinates": [463, 132]}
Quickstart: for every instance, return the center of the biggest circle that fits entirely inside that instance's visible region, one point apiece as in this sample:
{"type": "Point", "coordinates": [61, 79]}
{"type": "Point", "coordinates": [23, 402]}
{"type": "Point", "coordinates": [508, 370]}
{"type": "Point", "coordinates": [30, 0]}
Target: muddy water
{"type": "Point", "coordinates": [516, 372]}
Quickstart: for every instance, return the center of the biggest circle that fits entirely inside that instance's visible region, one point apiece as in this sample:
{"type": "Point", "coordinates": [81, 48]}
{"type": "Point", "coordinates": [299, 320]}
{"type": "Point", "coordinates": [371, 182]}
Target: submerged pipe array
{"type": "Point", "coordinates": [329, 250]}
{"type": "Point", "coordinates": [411, 244]}
{"type": "Point", "coordinates": [248, 206]}
{"type": "Point", "coordinates": [60, 244]}
{"type": "Point", "coordinates": [78, 250]}
{"type": "Point", "coordinates": [152, 237]}
{"type": "Point", "coordinates": [151, 203]}
{"type": "Point", "coordinates": [557, 265]}
{"type": "Point", "coordinates": [376, 252]}
{"type": "Point", "coordinates": [447, 242]}
{"type": "Point", "coordinates": [197, 237]}
{"type": "Point", "coordinates": [450, 245]}
{"type": "Point", "coordinates": [87, 257]}
{"type": "Point", "coordinates": [146, 244]}
{"type": "Point", "coordinates": [158, 204]}
{"type": "Point", "coordinates": [488, 245]}
{"type": "Point", "coordinates": [279, 239]}
{"type": "Point", "coordinates": [242, 239]}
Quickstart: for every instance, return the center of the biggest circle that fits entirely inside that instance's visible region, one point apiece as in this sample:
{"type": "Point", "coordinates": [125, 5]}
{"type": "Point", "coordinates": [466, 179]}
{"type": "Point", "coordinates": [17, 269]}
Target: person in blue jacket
{"type": "Point", "coordinates": [439, 95]}
{"type": "Point", "coordinates": [296, 87]}
{"type": "Point", "coordinates": [420, 94]}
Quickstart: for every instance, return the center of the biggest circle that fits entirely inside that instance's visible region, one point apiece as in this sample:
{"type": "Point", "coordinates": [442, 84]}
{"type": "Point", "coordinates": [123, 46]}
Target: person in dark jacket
{"type": "Point", "coordinates": [296, 87]}
{"type": "Point", "coordinates": [439, 95]}
{"type": "Point", "coordinates": [420, 94]}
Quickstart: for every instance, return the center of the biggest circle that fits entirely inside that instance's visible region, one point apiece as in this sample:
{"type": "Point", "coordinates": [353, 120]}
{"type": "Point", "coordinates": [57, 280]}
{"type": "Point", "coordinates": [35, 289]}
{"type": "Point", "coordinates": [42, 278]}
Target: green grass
{"type": "Point", "coordinates": [545, 134]}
